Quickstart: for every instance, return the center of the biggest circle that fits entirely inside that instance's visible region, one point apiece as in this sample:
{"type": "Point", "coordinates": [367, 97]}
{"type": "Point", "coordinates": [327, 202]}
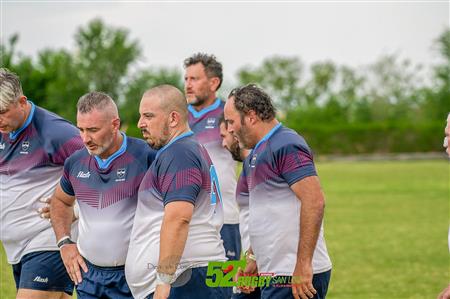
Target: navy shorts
{"type": "Point", "coordinates": [231, 241]}
{"type": "Point", "coordinates": [320, 283]}
{"type": "Point", "coordinates": [194, 286]}
{"type": "Point", "coordinates": [103, 282]}
{"type": "Point", "coordinates": [42, 271]}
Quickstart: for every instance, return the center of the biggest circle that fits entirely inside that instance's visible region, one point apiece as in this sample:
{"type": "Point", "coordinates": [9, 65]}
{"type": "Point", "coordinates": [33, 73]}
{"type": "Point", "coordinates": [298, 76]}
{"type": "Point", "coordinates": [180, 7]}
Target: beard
{"type": "Point", "coordinates": [100, 148]}
{"type": "Point", "coordinates": [244, 137]}
{"type": "Point", "coordinates": [235, 151]}
{"type": "Point", "coordinates": [198, 100]}
{"type": "Point", "coordinates": [158, 143]}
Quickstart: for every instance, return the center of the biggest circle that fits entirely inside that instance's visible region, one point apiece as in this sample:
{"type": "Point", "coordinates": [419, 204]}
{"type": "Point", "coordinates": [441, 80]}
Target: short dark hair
{"type": "Point", "coordinates": [251, 97]}
{"type": "Point", "coordinates": [213, 68]}
{"type": "Point", "coordinates": [222, 120]}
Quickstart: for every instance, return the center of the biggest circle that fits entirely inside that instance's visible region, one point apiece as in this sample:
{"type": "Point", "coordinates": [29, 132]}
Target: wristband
{"type": "Point", "coordinates": [64, 241]}
{"type": "Point", "coordinates": [163, 278]}
{"type": "Point", "coordinates": [250, 256]}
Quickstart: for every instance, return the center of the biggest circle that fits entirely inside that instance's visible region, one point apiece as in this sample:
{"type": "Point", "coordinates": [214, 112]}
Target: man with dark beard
{"type": "Point", "coordinates": [282, 183]}
{"type": "Point", "coordinates": [239, 154]}
{"type": "Point", "coordinates": [179, 213]}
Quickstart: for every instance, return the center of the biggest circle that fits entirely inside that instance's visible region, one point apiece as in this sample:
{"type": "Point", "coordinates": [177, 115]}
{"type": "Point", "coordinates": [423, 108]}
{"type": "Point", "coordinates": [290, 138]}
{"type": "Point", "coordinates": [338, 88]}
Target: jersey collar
{"type": "Point", "coordinates": [205, 110]}
{"type": "Point", "coordinates": [103, 164]}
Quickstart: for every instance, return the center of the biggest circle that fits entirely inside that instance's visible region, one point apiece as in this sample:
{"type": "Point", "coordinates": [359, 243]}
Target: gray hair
{"type": "Point", "coordinates": [10, 88]}
{"type": "Point", "coordinates": [97, 100]}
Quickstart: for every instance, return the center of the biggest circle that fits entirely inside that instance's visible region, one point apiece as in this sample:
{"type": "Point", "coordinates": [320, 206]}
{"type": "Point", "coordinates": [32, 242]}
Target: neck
{"type": "Point", "coordinates": [178, 131]}
{"type": "Point", "coordinates": [115, 146]}
{"type": "Point", "coordinates": [244, 153]}
{"type": "Point", "coordinates": [264, 128]}
{"type": "Point", "coordinates": [27, 113]}
{"type": "Point", "coordinates": [206, 103]}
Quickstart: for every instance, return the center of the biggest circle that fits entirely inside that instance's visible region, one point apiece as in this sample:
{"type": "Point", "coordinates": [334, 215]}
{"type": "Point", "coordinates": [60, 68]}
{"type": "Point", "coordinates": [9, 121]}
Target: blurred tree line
{"type": "Point", "coordinates": [387, 106]}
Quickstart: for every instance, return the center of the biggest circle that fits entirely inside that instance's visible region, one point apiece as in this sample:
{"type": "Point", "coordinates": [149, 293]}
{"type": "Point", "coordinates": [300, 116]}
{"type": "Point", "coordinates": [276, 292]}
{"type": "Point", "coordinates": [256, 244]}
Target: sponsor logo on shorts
{"type": "Point", "coordinates": [40, 279]}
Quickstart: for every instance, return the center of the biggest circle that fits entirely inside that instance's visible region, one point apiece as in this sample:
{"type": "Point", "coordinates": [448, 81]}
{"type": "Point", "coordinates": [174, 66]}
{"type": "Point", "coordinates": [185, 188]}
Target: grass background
{"type": "Point", "coordinates": [386, 227]}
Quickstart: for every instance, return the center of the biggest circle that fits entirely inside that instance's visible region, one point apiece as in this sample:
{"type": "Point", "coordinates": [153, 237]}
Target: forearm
{"type": "Point", "coordinates": [173, 236]}
{"type": "Point", "coordinates": [61, 214]}
{"type": "Point", "coordinates": [311, 216]}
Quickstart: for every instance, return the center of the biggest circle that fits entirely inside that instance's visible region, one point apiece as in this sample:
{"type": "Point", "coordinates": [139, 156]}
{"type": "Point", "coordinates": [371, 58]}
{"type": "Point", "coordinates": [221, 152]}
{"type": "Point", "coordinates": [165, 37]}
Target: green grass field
{"type": "Point", "coordinates": [386, 229]}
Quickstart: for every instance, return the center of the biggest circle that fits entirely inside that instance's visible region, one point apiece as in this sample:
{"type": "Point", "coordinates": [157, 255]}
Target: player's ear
{"type": "Point", "coordinates": [174, 119]}
{"type": "Point", "coordinates": [116, 123]}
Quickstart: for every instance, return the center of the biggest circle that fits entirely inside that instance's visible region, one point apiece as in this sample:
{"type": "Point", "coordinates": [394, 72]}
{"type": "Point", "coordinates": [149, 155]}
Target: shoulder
{"type": "Point", "coordinates": [53, 127]}
{"type": "Point", "coordinates": [140, 148]}
{"type": "Point", "coordinates": [286, 138]}
{"type": "Point", "coordinates": [77, 157]}
{"type": "Point", "coordinates": [185, 151]}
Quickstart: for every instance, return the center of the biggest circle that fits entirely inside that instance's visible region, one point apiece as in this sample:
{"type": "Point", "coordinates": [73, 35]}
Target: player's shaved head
{"type": "Point", "coordinates": [170, 99]}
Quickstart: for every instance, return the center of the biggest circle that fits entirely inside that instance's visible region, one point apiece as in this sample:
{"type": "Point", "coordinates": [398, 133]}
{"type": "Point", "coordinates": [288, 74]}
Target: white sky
{"type": "Point", "coordinates": [351, 33]}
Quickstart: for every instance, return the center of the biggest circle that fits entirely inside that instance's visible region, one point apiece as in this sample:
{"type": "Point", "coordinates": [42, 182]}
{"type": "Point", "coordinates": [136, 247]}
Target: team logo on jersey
{"type": "Point", "coordinates": [120, 175]}
{"type": "Point", "coordinates": [210, 123]}
{"type": "Point", "coordinates": [25, 147]}
{"type": "Point", "coordinates": [83, 175]}
{"type": "Point", "coordinates": [2, 146]}
{"type": "Point", "coordinates": [253, 161]}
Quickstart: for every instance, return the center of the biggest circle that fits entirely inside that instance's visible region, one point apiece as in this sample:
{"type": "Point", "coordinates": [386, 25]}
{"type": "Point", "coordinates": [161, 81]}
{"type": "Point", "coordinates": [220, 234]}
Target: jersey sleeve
{"type": "Point", "coordinates": [61, 141]}
{"type": "Point", "coordinates": [294, 162]}
{"type": "Point", "coordinates": [180, 176]}
{"type": "Point", "coordinates": [65, 182]}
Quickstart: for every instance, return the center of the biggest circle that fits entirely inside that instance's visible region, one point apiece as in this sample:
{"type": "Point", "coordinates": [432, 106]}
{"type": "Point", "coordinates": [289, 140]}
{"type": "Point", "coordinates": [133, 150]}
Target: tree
{"type": "Point", "coordinates": [105, 55]}
{"type": "Point", "coordinates": [279, 76]}
{"type": "Point", "coordinates": [138, 84]}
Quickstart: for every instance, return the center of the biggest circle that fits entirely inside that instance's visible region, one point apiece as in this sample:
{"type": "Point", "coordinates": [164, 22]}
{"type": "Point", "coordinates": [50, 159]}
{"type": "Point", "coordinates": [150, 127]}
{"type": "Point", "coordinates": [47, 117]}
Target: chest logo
{"type": "Point", "coordinates": [83, 175]}
{"type": "Point", "coordinates": [25, 147]}
{"type": "Point", "coordinates": [2, 146]}
{"type": "Point", "coordinates": [253, 161]}
{"type": "Point", "coordinates": [121, 175]}
{"type": "Point", "coordinates": [210, 123]}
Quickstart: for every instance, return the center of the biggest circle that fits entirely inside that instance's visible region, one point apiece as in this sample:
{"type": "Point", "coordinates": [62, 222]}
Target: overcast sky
{"type": "Point", "coordinates": [351, 33]}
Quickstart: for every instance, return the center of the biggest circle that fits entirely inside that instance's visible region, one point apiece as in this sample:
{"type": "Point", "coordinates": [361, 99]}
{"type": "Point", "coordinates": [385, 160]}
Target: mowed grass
{"type": "Point", "coordinates": [386, 226]}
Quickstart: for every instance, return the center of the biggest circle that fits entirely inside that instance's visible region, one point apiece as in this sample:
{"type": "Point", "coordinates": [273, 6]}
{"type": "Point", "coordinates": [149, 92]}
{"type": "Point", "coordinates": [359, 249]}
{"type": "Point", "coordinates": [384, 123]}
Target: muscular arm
{"type": "Point", "coordinates": [173, 236]}
{"type": "Point", "coordinates": [174, 232]}
{"type": "Point", "coordinates": [308, 191]}
{"type": "Point", "coordinates": [61, 212]}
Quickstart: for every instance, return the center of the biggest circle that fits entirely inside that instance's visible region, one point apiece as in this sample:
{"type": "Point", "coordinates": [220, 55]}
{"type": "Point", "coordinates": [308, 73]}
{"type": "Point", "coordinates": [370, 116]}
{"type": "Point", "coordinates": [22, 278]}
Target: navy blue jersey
{"type": "Point", "coordinates": [31, 163]}
{"type": "Point", "coordinates": [106, 192]}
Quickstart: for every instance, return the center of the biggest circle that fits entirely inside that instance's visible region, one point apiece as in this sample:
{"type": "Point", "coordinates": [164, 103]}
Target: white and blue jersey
{"type": "Point", "coordinates": [31, 164]}
{"type": "Point", "coordinates": [205, 125]}
{"type": "Point", "coordinates": [242, 199]}
{"type": "Point", "coordinates": [182, 171]}
{"type": "Point", "coordinates": [106, 192]}
{"type": "Point", "coordinates": [279, 160]}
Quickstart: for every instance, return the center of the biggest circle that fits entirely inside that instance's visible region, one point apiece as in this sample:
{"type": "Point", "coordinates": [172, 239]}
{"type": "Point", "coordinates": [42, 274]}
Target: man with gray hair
{"type": "Point", "coordinates": [104, 179]}
{"type": "Point", "coordinates": [34, 143]}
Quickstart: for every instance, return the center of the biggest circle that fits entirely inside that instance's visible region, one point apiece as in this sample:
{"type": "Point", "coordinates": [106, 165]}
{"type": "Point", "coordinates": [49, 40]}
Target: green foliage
{"type": "Point", "coordinates": [279, 76]}
{"type": "Point", "coordinates": [385, 106]}
{"type": "Point", "coordinates": [105, 55]}
{"type": "Point", "coordinates": [139, 83]}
